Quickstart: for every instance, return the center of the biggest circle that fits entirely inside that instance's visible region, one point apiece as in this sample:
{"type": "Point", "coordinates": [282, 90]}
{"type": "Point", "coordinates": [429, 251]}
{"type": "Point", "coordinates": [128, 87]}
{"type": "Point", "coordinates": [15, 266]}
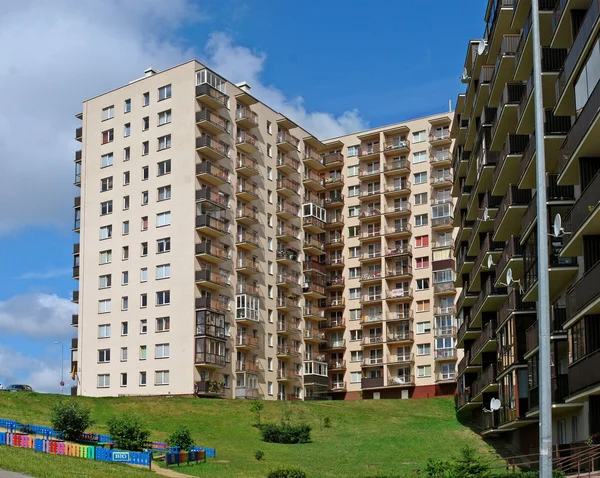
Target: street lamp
{"type": "Point", "coordinates": [62, 366]}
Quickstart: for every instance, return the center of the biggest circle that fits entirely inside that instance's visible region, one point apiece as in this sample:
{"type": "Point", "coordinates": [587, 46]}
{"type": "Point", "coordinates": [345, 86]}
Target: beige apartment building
{"type": "Point", "coordinates": [225, 251]}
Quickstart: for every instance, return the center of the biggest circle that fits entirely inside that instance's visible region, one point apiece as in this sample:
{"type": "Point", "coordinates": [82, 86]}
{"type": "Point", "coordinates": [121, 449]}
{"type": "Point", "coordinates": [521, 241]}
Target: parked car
{"type": "Point", "coordinates": [19, 388]}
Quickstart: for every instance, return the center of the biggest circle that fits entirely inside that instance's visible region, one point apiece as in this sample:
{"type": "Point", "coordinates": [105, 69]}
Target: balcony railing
{"type": "Point", "coordinates": [402, 186]}
{"type": "Point", "coordinates": [313, 221]}
{"type": "Point", "coordinates": [585, 206]}
{"type": "Point", "coordinates": [285, 160]}
{"type": "Point", "coordinates": [400, 228]}
{"type": "Point", "coordinates": [313, 266]}
{"type": "Point", "coordinates": [206, 194]}
{"type": "Point", "coordinates": [396, 165]}
{"type": "Point", "coordinates": [218, 121]}
{"type": "Point", "coordinates": [290, 208]}
{"type": "Point", "coordinates": [584, 291]}
{"type": "Point", "coordinates": [208, 168]}
{"type": "Point", "coordinates": [405, 249]}
{"type": "Point", "coordinates": [334, 261]}
{"type": "Point", "coordinates": [245, 113]}
{"type": "Point", "coordinates": [290, 279]}
{"type": "Point", "coordinates": [214, 277]}
{"type": "Point", "coordinates": [287, 375]}
{"type": "Point", "coordinates": [371, 382]}
{"type": "Point", "coordinates": [288, 231]}
{"type": "Point", "coordinates": [288, 184]}
{"type": "Point", "coordinates": [285, 137]}
{"type": "Point", "coordinates": [246, 187]}
{"type": "Point", "coordinates": [531, 337]}
{"type": "Point", "coordinates": [244, 161]}
{"type": "Point", "coordinates": [333, 323]}
{"type": "Point", "coordinates": [247, 289]}
{"type": "Point", "coordinates": [312, 156]}
{"type": "Point", "coordinates": [246, 212]}
{"type": "Point", "coordinates": [439, 135]}
{"type": "Point", "coordinates": [214, 304]}
{"type": "Point", "coordinates": [485, 379]}
{"type": "Point", "coordinates": [247, 237]}
{"type": "Point", "coordinates": [396, 144]}
{"type": "Point", "coordinates": [404, 380]}
{"type": "Point", "coordinates": [287, 350]}
{"type": "Point", "coordinates": [404, 207]}
{"type": "Point", "coordinates": [209, 359]}
{"type": "Point", "coordinates": [335, 281]}
{"type": "Point", "coordinates": [488, 332]}
{"type": "Point", "coordinates": [287, 326]}
{"type": "Point", "coordinates": [333, 158]}
{"type": "Point", "coordinates": [365, 150]}
{"type": "Point", "coordinates": [314, 311]}
{"type": "Point", "coordinates": [204, 220]}
{"type": "Point", "coordinates": [214, 144]}
{"type": "Point", "coordinates": [205, 89]}
{"type": "Point", "coordinates": [398, 271]}
{"type": "Point", "coordinates": [312, 242]}
{"type": "Point", "coordinates": [287, 253]}
{"type": "Point", "coordinates": [287, 302]}
{"type": "Point", "coordinates": [400, 336]}
{"type": "Point", "coordinates": [442, 354]}
{"type": "Point", "coordinates": [246, 341]}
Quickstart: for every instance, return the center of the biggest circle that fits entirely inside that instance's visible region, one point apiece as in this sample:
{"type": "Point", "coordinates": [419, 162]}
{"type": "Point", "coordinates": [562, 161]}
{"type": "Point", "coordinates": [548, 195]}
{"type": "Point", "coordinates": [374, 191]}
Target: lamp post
{"type": "Point", "coordinates": [543, 302]}
{"type": "Point", "coordinates": [62, 366]}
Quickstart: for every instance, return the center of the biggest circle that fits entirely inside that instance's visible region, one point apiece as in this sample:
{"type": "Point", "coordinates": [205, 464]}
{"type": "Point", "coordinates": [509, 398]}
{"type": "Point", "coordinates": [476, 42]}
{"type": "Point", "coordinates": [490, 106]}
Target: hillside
{"type": "Point", "coordinates": [366, 437]}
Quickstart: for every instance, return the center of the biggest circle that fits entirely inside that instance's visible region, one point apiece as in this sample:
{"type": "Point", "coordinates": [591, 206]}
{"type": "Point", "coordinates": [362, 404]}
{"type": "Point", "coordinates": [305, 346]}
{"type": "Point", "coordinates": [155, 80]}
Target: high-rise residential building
{"type": "Point", "coordinates": [497, 242]}
{"type": "Point", "coordinates": [224, 250]}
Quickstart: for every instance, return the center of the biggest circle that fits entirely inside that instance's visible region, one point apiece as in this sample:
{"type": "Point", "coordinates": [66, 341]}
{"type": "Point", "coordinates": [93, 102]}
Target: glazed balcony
{"type": "Point", "coordinates": [287, 210]}
{"type": "Point", "coordinates": [212, 122]}
{"type": "Point", "coordinates": [396, 146]}
{"type": "Point", "coordinates": [333, 159]}
{"type": "Point", "coordinates": [211, 97]}
{"type": "Point", "coordinates": [396, 167]}
{"type": "Point", "coordinates": [287, 187]}
{"type": "Point", "coordinates": [212, 148]}
{"type": "Point", "coordinates": [287, 142]}
{"type": "Point", "coordinates": [245, 117]}
{"type": "Point", "coordinates": [313, 180]}
{"type": "Point", "coordinates": [287, 233]}
{"type": "Point", "coordinates": [208, 360]}
{"type": "Point", "coordinates": [246, 166]}
{"type": "Point", "coordinates": [246, 191]}
{"type": "Point", "coordinates": [211, 226]}
{"type": "Point", "coordinates": [247, 240]}
{"type": "Point", "coordinates": [211, 200]}
{"type": "Point", "coordinates": [211, 280]}
{"type": "Point", "coordinates": [247, 216]}
{"type": "Point", "coordinates": [212, 174]}
{"type": "Point", "coordinates": [212, 304]}
{"type": "Point", "coordinates": [287, 164]}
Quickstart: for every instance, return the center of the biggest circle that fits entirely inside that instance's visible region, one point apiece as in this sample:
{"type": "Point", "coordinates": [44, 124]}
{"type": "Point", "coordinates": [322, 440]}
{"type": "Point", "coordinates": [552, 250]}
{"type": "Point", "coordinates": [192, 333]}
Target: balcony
{"type": "Point", "coordinates": [333, 323]}
{"type": "Point", "coordinates": [248, 289]}
{"type": "Point", "coordinates": [313, 290]}
{"type": "Point", "coordinates": [399, 294]}
{"type": "Point", "coordinates": [287, 351]}
{"type": "Point", "coordinates": [246, 166]}
{"type": "Point", "coordinates": [583, 219]}
{"type": "Point", "coordinates": [313, 312]}
{"type": "Point", "coordinates": [583, 298]}
{"type": "Point", "coordinates": [401, 188]}
{"type": "Point", "coordinates": [373, 361]}
{"type": "Point", "coordinates": [403, 381]}
{"type": "Point", "coordinates": [369, 194]}
{"type": "Point", "coordinates": [371, 319]}
{"type": "Point", "coordinates": [399, 210]}
{"type": "Point", "coordinates": [508, 170]}
{"type": "Point", "coordinates": [335, 283]}
{"type": "Point", "coordinates": [246, 342]}
{"type": "Point", "coordinates": [398, 272]}
{"type": "Point", "coordinates": [287, 255]}
{"type": "Point", "coordinates": [211, 280]}
{"type": "Point", "coordinates": [247, 240]}
{"type": "Point", "coordinates": [337, 365]}
{"type": "Point", "coordinates": [465, 332]}
{"type": "Point", "coordinates": [369, 298]}
{"type": "Point", "coordinates": [441, 178]}
{"type": "Point", "coordinates": [333, 180]}
{"type": "Point", "coordinates": [212, 148]}
{"type": "Point", "coordinates": [334, 200]}
{"type": "Point", "coordinates": [444, 331]}
{"type": "Point", "coordinates": [559, 387]}
{"type": "Point", "coordinates": [510, 212]}
{"type": "Point", "coordinates": [247, 393]}
{"type": "Point", "coordinates": [484, 383]}
{"type": "Point", "coordinates": [212, 122]}
{"type": "Point", "coordinates": [211, 226]}
{"type": "Point", "coordinates": [287, 303]}
{"type": "Point", "coordinates": [400, 230]}
{"type": "Point", "coordinates": [486, 342]}
{"type": "Point", "coordinates": [287, 142]}
{"type": "Point", "coordinates": [335, 303]}
{"type": "Point", "coordinates": [400, 337]}
{"type": "Point", "coordinates": [334, 220]}
{"type": "Point", "coordinates": [246, 118]}
{"type": "Point", "coordinates": [588, 31]}
{"type": "Point", "coordinates": [79, 134]}
{"type": "Point", "coordinates": [246, 141]}
{"type": "Point", "coordinates": [312, 265]}
{"type": "Point", "coordinates": [287, 210]}
{"type": "Point", "coordinates": [211, 200]}
{"type": "Point", "coordinates": [445, 377]}
{"type": "Point", "coordinates": [287, 164]}
{"type": "Point", "coordinates": [371, 383]}
{"type": "Point", "coordinates": [396, 167]}
{"type": "Point", "coordinates": [314, 336]}
{"type": "Point", "coordinates": [211, 97]}
{"type": "Point", "coordinates": [333, 159]}
{"type": "Point", "coordinates": [288, 376]}
{"type": "Point", "coordinates": [511, 257]}
{"type": "Point", "coordinates": [480, 99]}
{"type": "Point", "coordinates": [367, 213]}
{"type": "Point", "coordinates": [507, 114]}
{"type": "Point", "coordinates": [444, 288]}
{"type": "Point", "coordinates": [246, 191]}
{"type": "Point", "coordinates": [440, 138]}
{"type": "Point", "coordinates": [287, 187]}
{"type": "Point", "coordinates": [584, 376]}
{"type": "Point", "coordinates": [313, 225]}
{"type": "Point", "coordinates": [334, 262]}
{"type": "Point", "coordinates": [398, 251]}
{"type": "Point", "coordinates": [338, 386]}
{"type": "Point", "coordinates": [212, 304]}
{"type": "Point", "coordinates": [442, 223]}
{"type": "Point", "coordinates": [245, 265]}
{"type": "Point", "coordinates": [440, 158]}
{"type": "Point", "coordinates": [444, 355]}
{"type": "Point", "coordinates": [400, 359]}
{"type": "Point", "coordinates": [490, 299]}
{"type": "Point", "coordinates": [212, 174]}
{"type": "Point", "coordinates": [313, 181]}
{"type": "Point", "coordinates": [313, 161]}
{"type": "Point", "coordinates": [248, 216]}
{"type": "Point", "coordinates": [313, 246]}
{"type": "Point", "coordinates": [247, 366]}
{"type": "Point", "coordinates": [396, 146]}
{"type": "Point", "coordinates": [504, 67]}
{"type": "Point", "coordinates": [370, 151]}
{"type": "Point", "coordinates": [206, 359]}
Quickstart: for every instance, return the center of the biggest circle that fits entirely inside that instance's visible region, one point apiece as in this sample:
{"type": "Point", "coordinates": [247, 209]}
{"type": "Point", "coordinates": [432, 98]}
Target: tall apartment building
{"type": "Point", "coordinates": [225, 251]}
{"type": "Point", "coordinates": [494, 165]}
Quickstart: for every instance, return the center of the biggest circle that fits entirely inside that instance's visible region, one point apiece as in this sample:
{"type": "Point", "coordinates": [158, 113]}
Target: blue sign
{"type": "Point", "coordinates": [120, 456]}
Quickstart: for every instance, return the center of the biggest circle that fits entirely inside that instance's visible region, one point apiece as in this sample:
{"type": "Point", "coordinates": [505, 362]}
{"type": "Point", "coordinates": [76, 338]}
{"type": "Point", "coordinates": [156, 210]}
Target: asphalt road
{"type": "Point", "coordinates": [10, 474]}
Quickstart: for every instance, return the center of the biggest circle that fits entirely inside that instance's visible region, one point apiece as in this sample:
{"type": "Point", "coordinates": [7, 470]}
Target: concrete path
{"type": "Point", "coordinates": [10, 474]}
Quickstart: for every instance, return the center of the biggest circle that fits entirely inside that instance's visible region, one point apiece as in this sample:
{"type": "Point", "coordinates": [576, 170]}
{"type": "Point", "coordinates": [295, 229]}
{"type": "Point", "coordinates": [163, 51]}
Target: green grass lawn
{"type": "Point", "coordinates": [366, 438]}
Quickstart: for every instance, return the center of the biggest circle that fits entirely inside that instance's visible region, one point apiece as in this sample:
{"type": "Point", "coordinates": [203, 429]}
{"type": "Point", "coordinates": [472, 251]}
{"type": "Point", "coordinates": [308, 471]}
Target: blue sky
{"type": "Point", "coordinates": [332, 65]}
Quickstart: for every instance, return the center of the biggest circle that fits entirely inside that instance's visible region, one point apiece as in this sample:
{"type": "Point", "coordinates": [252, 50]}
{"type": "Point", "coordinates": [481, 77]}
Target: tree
{"type": "Point", "coordinates": [257, 408]}
{"type": "Point", "coordinates": [70, 419]}
{"type": "Point", "coordinates": [469, 464]}
{"type": "Point", "coordinates": [181, 438]}
{"type": "Point", "coordinates": [128, 433]}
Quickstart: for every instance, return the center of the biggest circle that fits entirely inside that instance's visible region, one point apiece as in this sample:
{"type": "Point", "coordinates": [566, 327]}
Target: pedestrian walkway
{"type": "Point", "coordinates": [10, 474]}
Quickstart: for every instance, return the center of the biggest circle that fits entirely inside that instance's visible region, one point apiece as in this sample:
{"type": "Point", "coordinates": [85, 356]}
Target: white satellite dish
{"type": "Point", "coordinates": [486, 214]}
{"type": "Point", "coordinates": [557, 229]}
{"type": "Point", "coordinates": [490, 262]}
{"type": "Point", "coordinates": [511, 281]}
{"type": "Point", "coordinates": [465, 78]}
{"type": "Point", "coordinates": [482, 46]}
{"type": "Point", "coordinates": [509, 277]}
{"type": "Point", "coordinates": [495, 404]}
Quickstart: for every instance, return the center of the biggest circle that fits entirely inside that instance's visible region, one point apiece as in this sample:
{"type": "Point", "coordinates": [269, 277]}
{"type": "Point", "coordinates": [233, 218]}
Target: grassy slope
{"type": "Point", "coordinates": [366, 437]}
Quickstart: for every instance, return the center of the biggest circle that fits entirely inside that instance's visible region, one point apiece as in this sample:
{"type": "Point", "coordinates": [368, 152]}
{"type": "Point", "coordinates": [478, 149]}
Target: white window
{"type": "Point", "coordinates": [164, 142]}
{"type": "Point", "coordinates": [270, 291]}
{"type": "Point", "coordinates": [104, 356]}
{"type": "Point", "coordinates": [421, 220]}
{"type": "Point", "coordinates": [420, 178]}
{"type": "Point", "coordinates": [126, 153]}
{"type": "Point", "coordinates": [104, 380]}
{"type": "Point", "coordinates": [164, 193]}
{"type": "Point", "coordinates": [269, 219]}
{"type": "Point", "coordinates": [163, 297]}
{"type": "Point", "coordinates": [162, 351]}
{"type": "Point", "coordinates": [270, 243]}
{"type": "Point", "coordinates": [127, 130]}
{"type": "Point", "coordinates": [161, 377]}
{"type": "Point", "coordinates": [124, 328]}
{"type": "Point", "coordinates": [123, 380]}
{"type": "Point", "coordinates": [142, 379]}
{"type": "Point", "coordinates": [143, 300]}
{"type": "Point", "coordinates": [423, 371]}
{"type": "Point", "coordinates": [127, 105]}
{"type": "Point", "coordinates": [270, 364]}
{"type": "Point", "coordinates": [143, 326]}
{"type": "Point", "coordinates": [419, 136]}
{"type": "Point", "coordinates": [107, 160]}
{"type": "Point", "coordinates": [423, 284]}
{"type": "Point", "coordinates": [270, 315]}
{"type": "Point", "coordinates": [126, 178]}
{"type": "Point", "coordinates": [125, 203]}
{"type": "Point", "coordinates": [356, 356]}
{"type": "Point", "coordinates": [108, 112]}
{"type": "Point", "coordinates": [269, 173]}
{"type": "Point", "coordinates": [423, 349]}
{"type": "Point", "coordinates": [270, 197]}
{"type": "Point", "coordinates": [104, 281]}
{"type": "Point", "coordinates": [423, 327]}
{"type": "Point", "coordinates": [106, 184]}
{"type": "Point", "coordinates": [164, 117]}
{"type": "Point", "coordinates": [355, 293]}
{"type": "Point", "coordinates": [104, 331]}
{"type": "Point", "coordinates": [352, 151]}
{"type": "Point", "coordinates": [144, 223]}
{"type": "Point", "coordinates": [355, 377]}
{"type": "Point", "coordinates": [105, 257]}
{"type": "Point", "coordinates": [124, 277]}
{"type": "Point", "coordinates": [143, 274]}
{"type": "Point", "coordinates": [145, 148]}
{"type": "Point", "coordinates": [104, 306]}
{"type": "Point", "coordinates": [269, 127]}
{"type": "Point", "coordinates": [164, 92]}
{"type": "Point", "coordinates": [146, 99]}
{"type": "Point", "coordinates": [270, 388]}
{"type": "Point", "coordinates": [419, 157]}
{"type": "Point", "coordinates": [270, 340]}
{"type": "Point", "coordinates": [105, 232]}
{"type": "Point", "coordinates": [441, 210]}
{"type": "Point", "coordinates": [163, 245]}
{"type": "Point", "coordinates": [124, 303]}
{"type": "Point", "coordinates": [355, 335]}
{"type": "Point", "coordinates": [353, 191]}
{"type": "Point", "coordinates": [163, 271]}
{"type": "Point", "coordinates": [270, 267]}
{"type": "Point", "coordinates": [269, 151]}
{"type": "Point", "coordinates": [354, 251]}
{"type": "Point", "coordinates": [163, 219]}
{"type": "Point", "coordinates": [355, 314]}
{"type": "Point", "coordinates": [353, 170]}
{"type": "Point", "coordinates": [353, 272]}
{"type": "Point", "coordinates": [420, 199]}
{"type": "Point", "coordinates": [123, 354]}
{"type": "Point", "coordinates": [163, 324]}
{"type": "Point", "coordinates": [353, 211]}
{"type": "Point", "coordinates": [353, 231]}
{"type": "Point", "coordinates": [164, 167]}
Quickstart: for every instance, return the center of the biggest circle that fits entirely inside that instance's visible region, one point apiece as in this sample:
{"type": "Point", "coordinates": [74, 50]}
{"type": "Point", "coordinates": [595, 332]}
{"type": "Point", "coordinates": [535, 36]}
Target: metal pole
{"type": "Point", "coordinates": [62, 368]}
{"type": "Point", "coordinates": [543, 303]}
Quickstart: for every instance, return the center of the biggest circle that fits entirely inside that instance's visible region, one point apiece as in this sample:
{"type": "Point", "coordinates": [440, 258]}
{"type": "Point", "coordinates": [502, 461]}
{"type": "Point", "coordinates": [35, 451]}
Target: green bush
{"type": "Point", "coordinates": [286, 473]}
{"type": "Point", "coordinates": [285, 433]}
{"type": "Point", "coordinates": [70, 419]}
{"type": "Point", "coordinates": [259, 454]}
{"type": "Point", "coordinates": [128, 432]}
{"type": "Point", "coordinates": [533, 474]}
{"type": "Point", "coordinates": [469, 464]}
{"type": "Point", "coordinates": [182, 438]}
{"type": "Point", "coordinates": [326, 422]}
{"type": "Point", "coordinates": [256, 408]}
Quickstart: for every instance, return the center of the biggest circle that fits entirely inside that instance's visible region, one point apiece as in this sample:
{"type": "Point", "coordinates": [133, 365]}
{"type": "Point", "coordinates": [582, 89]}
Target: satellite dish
{"type": "Point", "coordinates": [490, 262]}
{"type": "Point", "coordinates": [557, 225]}
{"type": "Point", "coordinates": [486, 214]}
{"type": "Point", "coordinates": [465, 78]}
{"type": "Point", "coordinates": [495, 404]}
{"type": "Point", "coordinates": [482, 47]}
{"type": "Point", "coordinates": [509, 277]}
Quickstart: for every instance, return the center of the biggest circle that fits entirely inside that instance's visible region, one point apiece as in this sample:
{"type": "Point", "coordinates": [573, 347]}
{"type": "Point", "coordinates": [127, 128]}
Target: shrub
{"type": "Point", "coordinates": [327, 422]}
{"type": "Point", "coordinates": [285, 433]}
{"type": "Point", "coordinates": [469, 464]}
{"type": "Point", "coordinates": [259, 454]}
{"type": "Point", "coordinates": [256, 408]}
{"type": "Point", "coordinates": [286, 473]}
{"type": "Point", "coordinates": [438, 469]}
{"type": "Point", "coordinates": [70, 419]}
{"type": "Point", "coordinates": [533, 474]}
{"type": "Point", "coordinates": [181, 438]}
{"type": "Point", "coordinates": [128, 432]}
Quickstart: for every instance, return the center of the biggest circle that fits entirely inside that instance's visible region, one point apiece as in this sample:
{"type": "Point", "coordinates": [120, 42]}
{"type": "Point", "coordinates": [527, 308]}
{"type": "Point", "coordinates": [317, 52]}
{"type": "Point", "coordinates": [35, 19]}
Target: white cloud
{"type": "Point", "coordinates": [42, 275]}
{"type": "Point", "coordinates": [238, 63]}
{"type": "Point", "coordinates": [37, 316]}
{"type": "Point", "coordinates": [43, 374]}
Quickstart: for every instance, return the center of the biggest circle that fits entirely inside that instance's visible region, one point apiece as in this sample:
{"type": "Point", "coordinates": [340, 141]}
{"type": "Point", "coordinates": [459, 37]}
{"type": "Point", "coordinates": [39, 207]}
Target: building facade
{"type": "Point", "coordinates": [226, 251]}
{"type": "Point", "coordinates": [496, 245]}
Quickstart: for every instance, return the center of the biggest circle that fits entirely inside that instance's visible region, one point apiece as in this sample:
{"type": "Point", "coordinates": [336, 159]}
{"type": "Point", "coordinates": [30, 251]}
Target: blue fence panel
{"type": "Point", "coordinates": [2, 438]}
{"type": "Point", "coordinates": [103, 454]}
{"type": "Point", "coordinates": [210, 452]}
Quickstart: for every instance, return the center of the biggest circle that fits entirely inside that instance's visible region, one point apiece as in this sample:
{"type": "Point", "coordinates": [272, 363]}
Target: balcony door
{"type": "Point", "coordinates": [403, 375]}
{"type": "Point", "coordinates": [337, 339]}
{"type": "Point", "coordinates": [376, 356]}
{"type": "Point", "coordinates": [403, 354]}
